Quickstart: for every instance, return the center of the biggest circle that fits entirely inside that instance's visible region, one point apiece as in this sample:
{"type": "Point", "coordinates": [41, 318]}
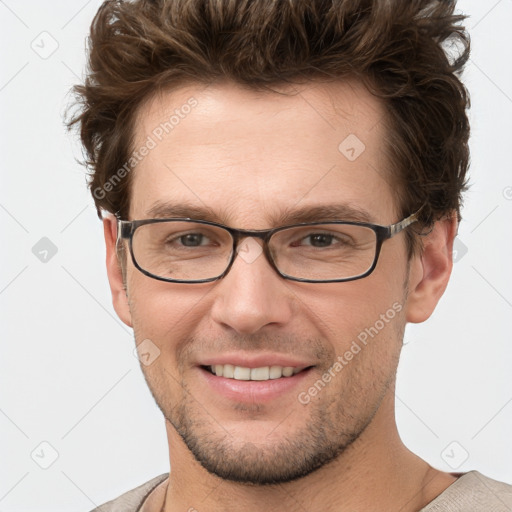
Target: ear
{"type": "Point", "coordinates": [431, 270]}
{"type": "Point", "coordinates": [115, 275]}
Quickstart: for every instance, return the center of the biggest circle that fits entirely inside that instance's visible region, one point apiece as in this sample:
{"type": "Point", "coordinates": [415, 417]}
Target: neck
{"type": "Point", "coordinates": [376, 472]}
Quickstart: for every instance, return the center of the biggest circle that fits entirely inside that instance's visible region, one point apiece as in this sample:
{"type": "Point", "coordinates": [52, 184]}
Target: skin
{"type": "Point", "coordinates": [249, 156]}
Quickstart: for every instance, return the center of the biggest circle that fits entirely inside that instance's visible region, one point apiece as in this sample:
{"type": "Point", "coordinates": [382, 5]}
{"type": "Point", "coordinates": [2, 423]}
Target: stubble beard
{"type": "Point", "coordinates": [334, 424]}
{"type": "Point", "coordinates": [329, 431]}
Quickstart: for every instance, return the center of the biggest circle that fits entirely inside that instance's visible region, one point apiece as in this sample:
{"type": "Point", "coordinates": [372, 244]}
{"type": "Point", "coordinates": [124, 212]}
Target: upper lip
{"type": "Point", "coordinates": [255, 361]}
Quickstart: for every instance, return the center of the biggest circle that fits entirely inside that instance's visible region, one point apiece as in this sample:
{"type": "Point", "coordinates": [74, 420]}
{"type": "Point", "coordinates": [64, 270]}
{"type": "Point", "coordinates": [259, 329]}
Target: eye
{"type": "Point", "coordinates": [190, 239]}
{"type": "Point", "coordinates": [323, 240]}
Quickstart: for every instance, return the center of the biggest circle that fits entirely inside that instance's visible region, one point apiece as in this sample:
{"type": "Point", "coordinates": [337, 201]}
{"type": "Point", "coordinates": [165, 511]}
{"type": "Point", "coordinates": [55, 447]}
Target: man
{"type": "Point", "coordinates": [280, 186]}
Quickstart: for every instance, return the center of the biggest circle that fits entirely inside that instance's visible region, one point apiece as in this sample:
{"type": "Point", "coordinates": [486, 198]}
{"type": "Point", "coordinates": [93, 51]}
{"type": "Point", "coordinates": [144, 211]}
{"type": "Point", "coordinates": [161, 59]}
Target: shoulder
{"type": "Point", "coordinates": [473, 492]}
{"type": "Point", "coordinates": [131, 501]}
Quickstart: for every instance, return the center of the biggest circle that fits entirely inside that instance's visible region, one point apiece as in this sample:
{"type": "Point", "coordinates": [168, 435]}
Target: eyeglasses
{"type": "Point", "coordinates": [196, 251]}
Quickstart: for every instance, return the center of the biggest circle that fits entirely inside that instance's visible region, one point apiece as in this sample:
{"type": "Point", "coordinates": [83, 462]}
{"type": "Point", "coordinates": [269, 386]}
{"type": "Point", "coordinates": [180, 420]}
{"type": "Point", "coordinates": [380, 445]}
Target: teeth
{"type": "Point", "coordinates": [276, 372]}
{"type": "Point", "coordinates": [287, 371]}
{"type": "Point", "coordinates": [260, 373]}
{"type": "Point", "coordinates": [242, 373]}
{"type": "Point", "coordinates": [230, 371]}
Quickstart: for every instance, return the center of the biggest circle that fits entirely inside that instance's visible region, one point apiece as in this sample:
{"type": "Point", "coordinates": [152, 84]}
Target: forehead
{"type": "Point", "coordinates": [251, 155]}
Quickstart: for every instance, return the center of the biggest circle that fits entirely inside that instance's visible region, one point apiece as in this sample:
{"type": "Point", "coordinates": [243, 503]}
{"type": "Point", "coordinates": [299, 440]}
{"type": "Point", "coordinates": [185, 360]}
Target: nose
{"type": "Point", "coordinates": [252, 295]}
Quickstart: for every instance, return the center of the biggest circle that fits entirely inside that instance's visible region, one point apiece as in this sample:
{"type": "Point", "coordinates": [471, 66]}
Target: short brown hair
{"type": "Point", "coordinates": [396, 48]}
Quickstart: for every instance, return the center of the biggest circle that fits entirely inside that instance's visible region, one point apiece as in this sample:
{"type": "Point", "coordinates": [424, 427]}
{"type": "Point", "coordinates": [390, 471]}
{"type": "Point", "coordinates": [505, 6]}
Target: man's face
{"type": "Point", "coordinates": [248, 158]}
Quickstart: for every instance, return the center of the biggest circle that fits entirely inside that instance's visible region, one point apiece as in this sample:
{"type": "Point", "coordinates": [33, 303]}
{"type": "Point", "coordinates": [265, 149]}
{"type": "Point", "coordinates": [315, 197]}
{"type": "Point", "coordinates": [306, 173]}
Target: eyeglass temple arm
{"type": "Point", "coordinates": [124, 229]}
{"type": "Point", "coordinates": [400, 226]}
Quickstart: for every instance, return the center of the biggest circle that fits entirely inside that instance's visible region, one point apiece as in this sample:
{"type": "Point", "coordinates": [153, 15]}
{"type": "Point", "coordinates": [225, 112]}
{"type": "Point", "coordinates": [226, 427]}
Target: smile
{"type": "Point", "coordinates": [230, 371]}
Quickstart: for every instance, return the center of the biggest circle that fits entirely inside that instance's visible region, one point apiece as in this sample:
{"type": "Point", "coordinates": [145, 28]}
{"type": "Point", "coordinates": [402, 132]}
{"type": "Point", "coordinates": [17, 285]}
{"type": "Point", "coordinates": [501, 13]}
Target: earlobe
{"type": "Point", "coordinates": [430, 271]}
{"type": "Point", "coordinates": [115, 276]}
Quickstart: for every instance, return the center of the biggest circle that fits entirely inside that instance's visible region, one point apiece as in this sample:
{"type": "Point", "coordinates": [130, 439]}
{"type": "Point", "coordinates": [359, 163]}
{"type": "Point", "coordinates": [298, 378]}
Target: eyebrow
{"type": "Point", "coordinates": [324, 212]}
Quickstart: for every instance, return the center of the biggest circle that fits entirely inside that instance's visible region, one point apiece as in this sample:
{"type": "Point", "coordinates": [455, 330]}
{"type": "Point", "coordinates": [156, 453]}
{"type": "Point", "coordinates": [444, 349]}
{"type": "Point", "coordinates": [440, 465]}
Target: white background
{"type": "Point", "coordinates": [68, 376]}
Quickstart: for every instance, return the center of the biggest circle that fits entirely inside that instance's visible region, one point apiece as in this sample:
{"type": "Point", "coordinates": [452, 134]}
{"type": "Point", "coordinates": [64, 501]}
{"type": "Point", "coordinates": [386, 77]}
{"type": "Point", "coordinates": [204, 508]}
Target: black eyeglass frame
{"type": "Point", "coordinates": [126, 230]}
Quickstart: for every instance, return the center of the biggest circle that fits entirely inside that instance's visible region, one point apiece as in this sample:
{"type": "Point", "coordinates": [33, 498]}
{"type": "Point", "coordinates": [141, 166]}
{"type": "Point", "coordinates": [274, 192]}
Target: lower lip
{"type": "Point", "coordinates": [251, 391]}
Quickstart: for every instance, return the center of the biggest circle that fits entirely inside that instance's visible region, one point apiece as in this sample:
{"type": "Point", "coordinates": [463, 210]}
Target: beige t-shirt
{"type": "Point", "coordinates": [472, 492]}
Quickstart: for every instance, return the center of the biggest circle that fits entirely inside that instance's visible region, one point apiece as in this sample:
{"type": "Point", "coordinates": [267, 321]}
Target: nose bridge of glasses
{"type": "Point", "coordinates": [250, 251]}
{"type": "Point", "coordinates": [241, 235]}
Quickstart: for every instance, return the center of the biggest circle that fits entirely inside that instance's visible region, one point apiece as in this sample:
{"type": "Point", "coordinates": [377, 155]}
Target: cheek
{"type": "Point", "coordinates": [343, 311]}
{"type": "Point", "coordinates": [165, 313]}
{"type": "Point", "coordinates": [370, 354]}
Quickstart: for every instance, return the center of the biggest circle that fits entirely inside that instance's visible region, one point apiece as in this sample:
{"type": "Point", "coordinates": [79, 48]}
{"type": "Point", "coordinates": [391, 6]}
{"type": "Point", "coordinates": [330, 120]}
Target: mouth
{"type": "Point", "coordinates": [262, 373]}
{"type": "Point", "coordinates": [264, 378]}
